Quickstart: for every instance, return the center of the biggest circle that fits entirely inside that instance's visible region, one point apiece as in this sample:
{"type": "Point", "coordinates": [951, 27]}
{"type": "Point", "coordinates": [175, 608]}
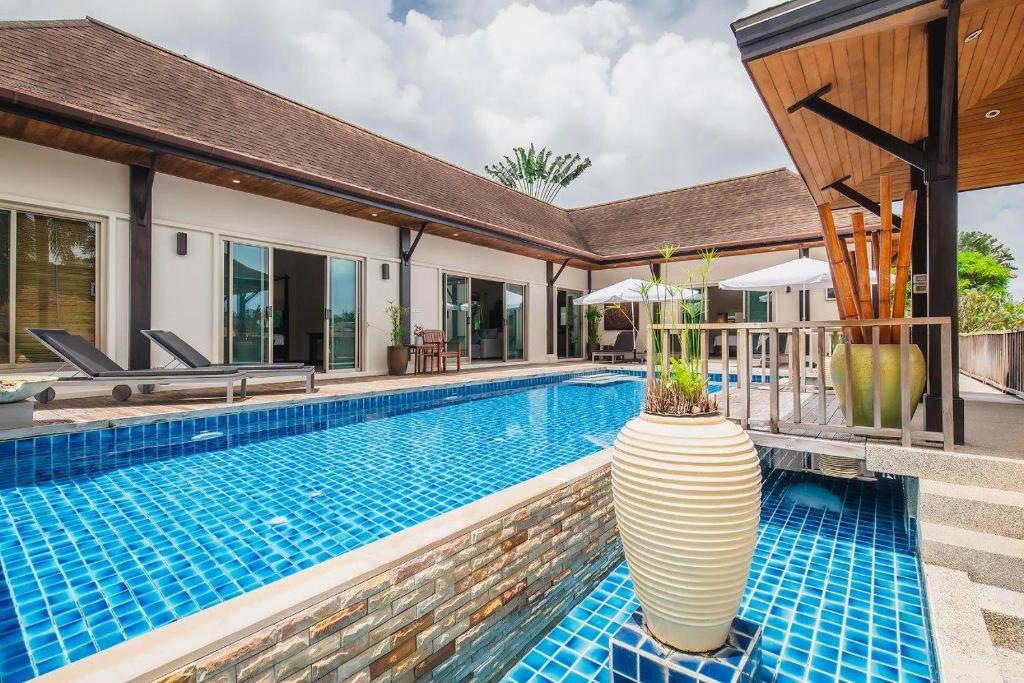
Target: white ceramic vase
{"type": "Point", "coordinates": [687, 494]}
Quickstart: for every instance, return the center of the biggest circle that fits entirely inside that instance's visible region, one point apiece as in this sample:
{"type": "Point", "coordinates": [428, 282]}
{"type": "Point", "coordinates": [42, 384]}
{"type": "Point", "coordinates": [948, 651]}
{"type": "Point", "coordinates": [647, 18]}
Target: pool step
{"type": "Point", "coordinates": [991, 511]}
{"type": "Point", "coordinates": [1003, 611]}
{"type": "Point", "coordinates": [968, 469]}
{"type": "Point", "coordinates": [963, 647]}
{"type": "Point", "coordinates": [986, 558]}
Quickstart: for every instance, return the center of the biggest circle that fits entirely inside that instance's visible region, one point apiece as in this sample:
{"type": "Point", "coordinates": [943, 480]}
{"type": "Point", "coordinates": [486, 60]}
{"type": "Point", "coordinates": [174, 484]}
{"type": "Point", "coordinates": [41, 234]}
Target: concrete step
{"type": "Point", "coordinates": [969, 469]}
{"type": "Point", "coordinates": [992, 511]}
{"type": "Point", "coordinates": [1011, 665]}
{"type": "Point", "coordinates": [1003, 611]}
{"type": "Point", "coordinates": [986, 558]}
{"type": "Point", "coordinates": [962, 645]}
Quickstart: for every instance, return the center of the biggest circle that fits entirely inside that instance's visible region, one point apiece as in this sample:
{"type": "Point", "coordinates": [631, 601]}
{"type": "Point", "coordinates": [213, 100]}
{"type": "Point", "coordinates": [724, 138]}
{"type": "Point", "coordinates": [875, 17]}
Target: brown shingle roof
{"type": "Point", "coordinates": [96, 73]}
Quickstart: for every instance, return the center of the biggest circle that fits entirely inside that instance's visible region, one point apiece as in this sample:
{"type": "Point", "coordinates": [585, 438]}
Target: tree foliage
{"type": "Point", "coordinates": [984, 243]}
{"type": "Point", "coordinates": [984, 270]}
{"type": "Point", "coordinates": [538, 172]}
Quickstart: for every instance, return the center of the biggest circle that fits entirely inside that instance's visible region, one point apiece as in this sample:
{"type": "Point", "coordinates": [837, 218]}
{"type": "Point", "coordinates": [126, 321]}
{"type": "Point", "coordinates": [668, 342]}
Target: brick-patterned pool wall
{"type": "Point", "coordinates": [466, 607]}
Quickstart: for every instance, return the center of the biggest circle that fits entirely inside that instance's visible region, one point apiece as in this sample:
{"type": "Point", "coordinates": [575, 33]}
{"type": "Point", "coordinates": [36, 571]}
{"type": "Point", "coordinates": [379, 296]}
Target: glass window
{"type": "Point", "coordinates": [758, 307]}
{"type": "Point", "coordinates": [515, 321]}
{"type": "Point", "coordinates": [250, 303]}
{"type": "Point", "coordinates": [55, 280]}
{"type": "Point", "coordinates": [344, 323]}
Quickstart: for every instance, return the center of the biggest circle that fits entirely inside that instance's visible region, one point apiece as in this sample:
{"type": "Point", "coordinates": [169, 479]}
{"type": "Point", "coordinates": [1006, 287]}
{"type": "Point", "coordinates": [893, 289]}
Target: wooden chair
{"type": "Point", "coordinates": [435, 349]}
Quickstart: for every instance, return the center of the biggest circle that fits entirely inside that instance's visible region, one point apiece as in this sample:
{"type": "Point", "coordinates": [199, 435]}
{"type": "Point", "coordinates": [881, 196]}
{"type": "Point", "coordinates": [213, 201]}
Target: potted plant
{"type": "Point", "coordinates": [398, 350]}
{"type": "Point", "coordinates": [686, 486]}
{"type": "Point", "coordinates": [594, 315]}
{"type": "Point", "coordinates": [851, 280]}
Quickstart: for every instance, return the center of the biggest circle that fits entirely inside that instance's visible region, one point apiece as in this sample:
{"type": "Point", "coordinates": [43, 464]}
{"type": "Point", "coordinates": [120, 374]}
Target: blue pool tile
{"type": "Point", "coordinates": [108, 534]}
{"type": "Point", "coordinates": [848, 635]}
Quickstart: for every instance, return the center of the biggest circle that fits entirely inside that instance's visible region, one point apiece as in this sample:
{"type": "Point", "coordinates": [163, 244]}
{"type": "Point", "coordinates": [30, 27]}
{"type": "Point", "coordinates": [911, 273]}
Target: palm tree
{"type": "Point", "coordinates": [537, 172]}
{"type": "Point", "coordinates": [984, 243]}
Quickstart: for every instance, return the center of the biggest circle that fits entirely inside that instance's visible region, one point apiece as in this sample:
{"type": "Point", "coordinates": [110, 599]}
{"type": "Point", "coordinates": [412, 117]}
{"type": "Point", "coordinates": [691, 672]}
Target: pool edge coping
{"type": "Point", "coordinates": [170, 647]}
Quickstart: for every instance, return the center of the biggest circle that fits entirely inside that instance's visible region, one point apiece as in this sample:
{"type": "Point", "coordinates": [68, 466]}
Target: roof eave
{"type": "Point", "coordinates": [799, 22]}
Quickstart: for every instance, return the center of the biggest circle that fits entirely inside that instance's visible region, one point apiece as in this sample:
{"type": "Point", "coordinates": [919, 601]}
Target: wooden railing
{"type": "Point", "coordinates": [812, 402]}
{"type": "Point", "coordinates": [996, 358]}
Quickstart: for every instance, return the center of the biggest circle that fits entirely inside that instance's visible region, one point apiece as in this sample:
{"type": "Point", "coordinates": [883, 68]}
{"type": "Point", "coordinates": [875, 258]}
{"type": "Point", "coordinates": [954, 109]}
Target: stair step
{"type": "Point", "coordinates": [970, 469]}
{"type": "Point", "coordinates": [963, 648]}
{"type": "Point", "coordinates": [1003, 611]}
{"type": "Point", "coordinates": [1011, 665]}
{"type": "Point", "coordinates": [986, 558]}
{"type": "Point", "coordinates": [992, 511]}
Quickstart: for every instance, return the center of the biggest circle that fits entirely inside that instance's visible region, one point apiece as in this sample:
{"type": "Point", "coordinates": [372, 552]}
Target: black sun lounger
{"type": "Point", "coordinates": [190, 357]}
{"type": "Point", "coordinates": [96, 368]}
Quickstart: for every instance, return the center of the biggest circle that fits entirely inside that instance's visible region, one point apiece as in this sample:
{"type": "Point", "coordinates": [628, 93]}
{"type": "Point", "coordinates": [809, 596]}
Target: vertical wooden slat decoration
{"type": "Point", "coordinates": [839, 265]}
{"type": "Point", "coordinates": [885, 257]}
{"type": "Point", "coordinates": [864, 304]}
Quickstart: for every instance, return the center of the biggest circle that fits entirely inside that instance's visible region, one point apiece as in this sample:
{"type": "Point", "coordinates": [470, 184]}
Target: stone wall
{"type": "Point", "coordinates": [463, 609]}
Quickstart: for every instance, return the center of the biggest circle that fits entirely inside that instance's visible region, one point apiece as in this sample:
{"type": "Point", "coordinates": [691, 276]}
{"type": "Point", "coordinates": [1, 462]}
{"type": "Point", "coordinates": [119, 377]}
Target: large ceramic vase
{"type": "Point", "coordinates": [398, 360]}
{"type": "Point", "coordinates": [890, 374]}
{"type": "Point", "coordinates": [687, 494]}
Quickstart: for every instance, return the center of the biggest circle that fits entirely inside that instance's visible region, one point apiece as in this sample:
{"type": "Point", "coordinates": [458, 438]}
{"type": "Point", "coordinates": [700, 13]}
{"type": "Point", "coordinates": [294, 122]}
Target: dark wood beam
{"type": "Point", "coordinates": [884, 140]}
{"type": "Point", "coordinates": [406, 247]}
{"type": "Point", "coordinates": [550, 325]}
{"type": "Point", "coordinates": [919, 259]}
{"type": "Point", "coordinates": [948, 96]}
{"type": "Point", "coordinates": [941, 234]}
{"type": "Point", "coordinates": [140, 266]}
{"type": "Point", "coordinates": [552, 279]}
{"type": "Point", "coordinates": [859, 199]}
{"type": "Point", "coordinates": [406, 251]}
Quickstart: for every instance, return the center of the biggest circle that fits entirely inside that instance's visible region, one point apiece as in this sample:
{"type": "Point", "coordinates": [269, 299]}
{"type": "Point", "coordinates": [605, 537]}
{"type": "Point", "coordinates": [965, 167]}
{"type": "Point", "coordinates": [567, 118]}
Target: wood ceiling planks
{"type": "Point", "coordinates": [878, 73]}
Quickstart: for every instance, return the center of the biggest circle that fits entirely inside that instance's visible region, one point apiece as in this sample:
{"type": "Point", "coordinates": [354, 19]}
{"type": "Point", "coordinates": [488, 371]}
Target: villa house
{"type": "Point", "coordinates": [140, 189]}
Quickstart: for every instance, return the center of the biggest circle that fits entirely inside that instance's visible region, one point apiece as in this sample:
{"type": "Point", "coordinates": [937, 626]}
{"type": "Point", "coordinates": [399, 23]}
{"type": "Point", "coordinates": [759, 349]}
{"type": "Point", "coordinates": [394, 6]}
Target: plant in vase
{"type": "Point", "coordinates": [398, 351]}
{"type": "Point", "coordinates": [851, 280]}
{"type": "Point", "coordinates": [686, 485]}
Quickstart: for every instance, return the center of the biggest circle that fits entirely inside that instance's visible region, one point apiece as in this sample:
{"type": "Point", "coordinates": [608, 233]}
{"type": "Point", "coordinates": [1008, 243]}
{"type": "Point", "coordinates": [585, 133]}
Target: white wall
{"type": "Point", "coordinates": [187, 290]}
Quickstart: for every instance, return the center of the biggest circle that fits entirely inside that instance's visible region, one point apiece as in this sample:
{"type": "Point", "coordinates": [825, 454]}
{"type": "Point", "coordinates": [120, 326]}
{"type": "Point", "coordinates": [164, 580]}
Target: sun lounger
{"type": "Point", "coordinates": [619, 351]}
{"type": "Point", "coordinates": [97, 369]}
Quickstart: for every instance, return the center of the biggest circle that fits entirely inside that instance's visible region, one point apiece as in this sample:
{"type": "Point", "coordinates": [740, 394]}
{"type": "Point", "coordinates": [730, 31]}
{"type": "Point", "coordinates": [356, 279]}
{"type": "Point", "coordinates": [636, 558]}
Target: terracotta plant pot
{"type": "Point", "coordinates": [863, 384]}
{"type": "Point", "coordinates": [687, 495]}
{"type": "Point", "coordinates": [398, 360]}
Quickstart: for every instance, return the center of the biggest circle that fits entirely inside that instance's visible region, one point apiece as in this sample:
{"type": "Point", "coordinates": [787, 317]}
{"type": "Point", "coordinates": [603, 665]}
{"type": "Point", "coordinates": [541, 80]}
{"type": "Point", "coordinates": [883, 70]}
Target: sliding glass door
{"type": "Point", "coordinates": [47, 279]}
{"type": "Point", "coordinates": [515, 322]}
{"type": "Point", "coordinates": [486, 317]}
{"type": "Point", "coordinates": [456, 312]}
{"type": "Point", "coordinates": [343, 314]}
{"type": "Point", "coordinates": [248, 313]}
{"type": "Point", "coordinates": [569, 328]}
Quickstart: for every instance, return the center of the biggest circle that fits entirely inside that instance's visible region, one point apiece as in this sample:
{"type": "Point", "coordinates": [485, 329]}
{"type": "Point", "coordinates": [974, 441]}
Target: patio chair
{"type": "Point", "coordinates": [435, 349]}
{"type": "Point", "coordinates": [189, 356]}
{"type": "Point", "coordinates": [621, 349]}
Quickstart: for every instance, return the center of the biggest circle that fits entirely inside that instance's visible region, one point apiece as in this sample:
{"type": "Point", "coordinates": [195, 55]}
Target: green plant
{"type": "Point", "coordinates": [680, 386]}
{"type": "Point", "coordinates": [594, 315]}
{"type": "Point", "coordinates": [984, 243]}
{"type": "Point", "coordinates": [396, 316]}
{"type": "Point", "coordinates": [537, 172]}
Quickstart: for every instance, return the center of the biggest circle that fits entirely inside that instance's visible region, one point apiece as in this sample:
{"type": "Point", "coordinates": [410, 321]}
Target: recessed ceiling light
{"type": "Point", "coordinates": [236, 181]}
{"type": "Point", "coordinates": [455, 234]}
{"type": "Point", "coordinates": [374, 215]}
{"type": "Point", "coordinates": [973, 35]}
{"type": "Point", "coordinates": [992, 113]}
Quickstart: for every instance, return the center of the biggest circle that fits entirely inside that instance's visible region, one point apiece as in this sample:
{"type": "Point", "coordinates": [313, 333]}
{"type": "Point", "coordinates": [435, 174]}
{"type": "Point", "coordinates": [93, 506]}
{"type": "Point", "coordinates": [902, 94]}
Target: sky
{"type": "Point", "coordinates": [652, 91]}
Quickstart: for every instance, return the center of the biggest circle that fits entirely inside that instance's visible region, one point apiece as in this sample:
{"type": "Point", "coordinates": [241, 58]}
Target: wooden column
{"type": "Point", "coordinates": [405, 278]}
{"type": "Point", "coordinates": [941, 176]}
{"type": "Point", "coordinates": [551, 307]}
{"type": "Point", "coordinates": [140, 268]}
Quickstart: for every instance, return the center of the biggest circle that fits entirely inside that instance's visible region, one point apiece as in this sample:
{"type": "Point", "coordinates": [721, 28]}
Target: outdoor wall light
{"type": "Point", "coordinates": [385, 271]}
{"type": "Point", "coordinates": [181, 245]}
{"type": "Point", "coordinates": [972, 35]}
{"type": "Point", "coordinates": [992, 113]}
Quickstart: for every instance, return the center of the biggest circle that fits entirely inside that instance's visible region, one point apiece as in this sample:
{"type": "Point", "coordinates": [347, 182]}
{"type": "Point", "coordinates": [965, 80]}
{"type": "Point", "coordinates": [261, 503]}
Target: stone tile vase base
{"type": "Point", "coordinates": [687, 494]}
{"type": "Point", "coordinates": [637, 657]}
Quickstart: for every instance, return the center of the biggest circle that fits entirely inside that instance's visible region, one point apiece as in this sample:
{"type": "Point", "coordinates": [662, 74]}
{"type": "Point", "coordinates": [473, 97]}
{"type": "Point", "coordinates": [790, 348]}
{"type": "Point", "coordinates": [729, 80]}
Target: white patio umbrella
{"type": "Point", "coordinates": [631, 291]}
{"type": "Point", "coordinates": [634, 290]}
{"type": "Point", "coordinates": [805, 273]}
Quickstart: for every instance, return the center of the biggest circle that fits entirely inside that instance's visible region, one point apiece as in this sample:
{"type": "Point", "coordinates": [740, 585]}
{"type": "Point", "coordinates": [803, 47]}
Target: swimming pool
{"type": "Point", "coordinates": [838, 589]}
{"type": "Point", "coordinates": [108, 534]}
